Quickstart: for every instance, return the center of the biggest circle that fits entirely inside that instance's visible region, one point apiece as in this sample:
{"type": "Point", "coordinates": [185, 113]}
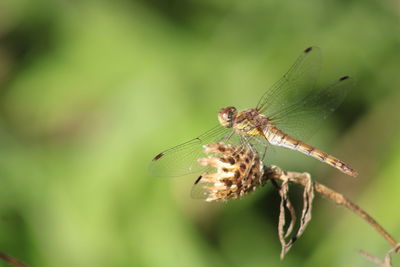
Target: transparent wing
{"type": "Point", "coordinates": [199, 190]}
{"type": "Point", "coordinates": [182, 159]}
{"type": "Point", "coordinates": [297, 83]}
{"type": "Point", "coordinates": [303, 118]}
{"type": "Point", "coordinates": [295, 105]}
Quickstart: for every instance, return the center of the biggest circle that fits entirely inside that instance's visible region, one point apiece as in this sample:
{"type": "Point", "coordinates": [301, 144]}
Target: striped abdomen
{"type": "Point", "coordinates": [278, 138]}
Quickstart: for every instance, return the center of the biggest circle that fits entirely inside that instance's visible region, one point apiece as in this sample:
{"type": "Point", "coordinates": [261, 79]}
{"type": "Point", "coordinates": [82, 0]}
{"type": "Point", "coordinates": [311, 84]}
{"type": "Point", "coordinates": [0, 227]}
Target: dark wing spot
{"type": "Point", "coordinates": [198, 179]}
{"type": "Point", "coordinates": [308, 49]}
{"type": "Point", "coordinates": [343, 78]}
{"type": "Point", "coordinates": [158, 156]}
{"type": "Point", "coordinates": [225, 170]}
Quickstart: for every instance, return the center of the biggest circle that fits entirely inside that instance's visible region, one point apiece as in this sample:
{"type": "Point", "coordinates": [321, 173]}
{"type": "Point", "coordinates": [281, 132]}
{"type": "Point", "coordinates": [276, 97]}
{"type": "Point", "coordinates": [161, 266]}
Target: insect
{"type": "Point", "coordinates": [286, 114]}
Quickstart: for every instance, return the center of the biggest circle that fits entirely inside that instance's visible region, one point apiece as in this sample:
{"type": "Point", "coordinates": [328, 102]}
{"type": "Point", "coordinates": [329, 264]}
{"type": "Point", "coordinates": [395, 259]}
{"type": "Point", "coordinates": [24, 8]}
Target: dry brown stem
{"type": "Point", "coordinates": [387, 260]}
{"type": "Point", "coordinates": [304, 180]}
{"type": "Point", "coordinates": [12, 261]}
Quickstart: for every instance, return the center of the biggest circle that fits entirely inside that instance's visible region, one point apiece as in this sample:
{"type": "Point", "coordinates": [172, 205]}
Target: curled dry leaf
{"type": "Point", "coordinates": [308, 197]}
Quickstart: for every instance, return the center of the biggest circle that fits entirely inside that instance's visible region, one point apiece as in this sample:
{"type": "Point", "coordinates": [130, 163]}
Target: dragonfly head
{"type": "Point", "coordinates": [227, 116]}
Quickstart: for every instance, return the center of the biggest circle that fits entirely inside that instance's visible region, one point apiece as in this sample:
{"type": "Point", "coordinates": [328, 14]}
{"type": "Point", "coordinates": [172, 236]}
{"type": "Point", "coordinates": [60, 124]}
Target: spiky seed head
{"type": "Point", "coordinates": [238, 171]}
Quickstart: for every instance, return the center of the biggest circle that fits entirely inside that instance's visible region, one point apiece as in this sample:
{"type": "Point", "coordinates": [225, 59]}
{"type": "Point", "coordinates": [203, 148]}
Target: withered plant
{"type": "Point", "coordinates": [236, 171]}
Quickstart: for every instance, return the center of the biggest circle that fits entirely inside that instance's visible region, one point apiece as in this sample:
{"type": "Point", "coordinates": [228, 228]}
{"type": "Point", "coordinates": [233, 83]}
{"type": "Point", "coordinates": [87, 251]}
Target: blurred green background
{"type": "Point", "coordinates": [92, 90]}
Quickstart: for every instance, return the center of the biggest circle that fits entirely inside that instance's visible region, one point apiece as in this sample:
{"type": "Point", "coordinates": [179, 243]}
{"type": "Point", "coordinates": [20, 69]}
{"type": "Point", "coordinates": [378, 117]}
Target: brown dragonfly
{"type": "Point", "coordinates": [289, 112]}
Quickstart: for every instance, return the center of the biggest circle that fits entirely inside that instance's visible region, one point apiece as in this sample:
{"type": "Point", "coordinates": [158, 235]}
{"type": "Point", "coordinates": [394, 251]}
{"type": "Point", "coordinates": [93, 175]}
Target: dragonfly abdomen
{"type": "Point", "coordinates": [278, 138]}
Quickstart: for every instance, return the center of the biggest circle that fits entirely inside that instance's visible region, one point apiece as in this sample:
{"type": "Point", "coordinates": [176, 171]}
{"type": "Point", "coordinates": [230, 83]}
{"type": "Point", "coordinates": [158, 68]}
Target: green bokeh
{"type": "Point", "coordinates": [92, 90]}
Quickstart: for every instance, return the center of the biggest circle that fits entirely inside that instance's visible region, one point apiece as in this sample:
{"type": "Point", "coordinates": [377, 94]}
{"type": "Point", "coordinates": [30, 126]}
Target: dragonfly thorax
{"type": "Point", "coordinates": [227, 116]}
{"type": "Point", "coordinates": [250, 122]}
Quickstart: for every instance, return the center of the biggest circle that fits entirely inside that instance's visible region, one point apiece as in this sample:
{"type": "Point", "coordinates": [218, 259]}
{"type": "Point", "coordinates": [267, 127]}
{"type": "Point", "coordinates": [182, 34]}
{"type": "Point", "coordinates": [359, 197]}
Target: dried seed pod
{"type": "Point", "coordinates": [238, 171]}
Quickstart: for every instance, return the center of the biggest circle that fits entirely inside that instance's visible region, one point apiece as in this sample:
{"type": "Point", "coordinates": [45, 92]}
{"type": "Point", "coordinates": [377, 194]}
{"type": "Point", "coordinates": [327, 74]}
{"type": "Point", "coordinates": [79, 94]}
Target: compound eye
{"type": "Point", "coordinates": [232, 111]}
{"type": "Point", "coordinates": [226, 116]}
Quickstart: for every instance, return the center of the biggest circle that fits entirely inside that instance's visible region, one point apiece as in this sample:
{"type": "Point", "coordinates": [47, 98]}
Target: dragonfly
{"type": "Point", "coordinates": [286, 115]}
